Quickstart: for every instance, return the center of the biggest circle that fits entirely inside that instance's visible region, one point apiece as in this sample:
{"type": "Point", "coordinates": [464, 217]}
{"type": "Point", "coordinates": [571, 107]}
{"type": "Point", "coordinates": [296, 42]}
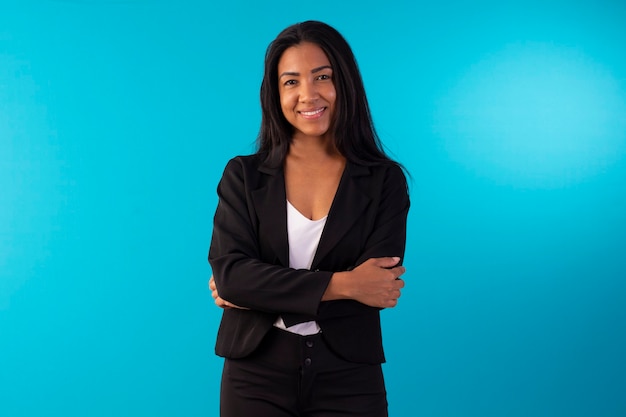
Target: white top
{"type": "Point", "coordinates": [304, 236]}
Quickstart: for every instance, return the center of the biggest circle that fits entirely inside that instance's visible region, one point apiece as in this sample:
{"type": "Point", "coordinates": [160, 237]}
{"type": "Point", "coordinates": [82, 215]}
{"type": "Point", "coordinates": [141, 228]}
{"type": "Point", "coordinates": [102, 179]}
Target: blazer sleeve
{"type": "Point", "coordinates": [388, 234]}
{"type": "Point", "coordinates": [240, 275]}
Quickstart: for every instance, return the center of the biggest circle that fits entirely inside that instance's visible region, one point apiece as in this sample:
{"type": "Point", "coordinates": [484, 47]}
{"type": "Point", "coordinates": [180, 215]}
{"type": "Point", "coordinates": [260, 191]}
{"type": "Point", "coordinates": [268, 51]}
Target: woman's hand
{"type": "Point", "coordinates": [375, 283]}
{"type": "Point", "coordinates": [220, 302]}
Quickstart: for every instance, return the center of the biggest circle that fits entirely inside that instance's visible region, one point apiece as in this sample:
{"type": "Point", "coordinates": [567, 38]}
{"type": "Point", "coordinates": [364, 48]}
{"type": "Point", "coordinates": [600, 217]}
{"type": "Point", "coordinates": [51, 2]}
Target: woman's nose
{"type": "Point", "coordinates": [308, 91]}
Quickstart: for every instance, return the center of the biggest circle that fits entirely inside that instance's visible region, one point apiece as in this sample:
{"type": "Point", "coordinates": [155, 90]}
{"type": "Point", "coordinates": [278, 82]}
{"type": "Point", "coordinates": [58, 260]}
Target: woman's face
{"type": "Point", "coordinates": [307, 92]}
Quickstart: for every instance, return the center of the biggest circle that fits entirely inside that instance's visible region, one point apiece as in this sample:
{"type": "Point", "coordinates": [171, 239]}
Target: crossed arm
{"type": "Point", "coordinates": [376, 283]}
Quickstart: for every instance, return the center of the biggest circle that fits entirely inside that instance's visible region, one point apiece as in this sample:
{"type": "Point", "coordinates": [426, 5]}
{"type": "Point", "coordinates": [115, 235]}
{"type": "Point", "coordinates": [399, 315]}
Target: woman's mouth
{"type": "Point", "coordinates": [312, 114]}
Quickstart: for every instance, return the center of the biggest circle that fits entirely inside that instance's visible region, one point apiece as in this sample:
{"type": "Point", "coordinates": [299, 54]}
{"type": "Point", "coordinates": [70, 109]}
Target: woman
{"type": "Point", "coordinates": [307, 241]}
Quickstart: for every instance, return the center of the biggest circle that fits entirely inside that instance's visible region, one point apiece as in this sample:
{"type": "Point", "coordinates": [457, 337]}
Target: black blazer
{"type": "Point", "coordinates": [249, 255]}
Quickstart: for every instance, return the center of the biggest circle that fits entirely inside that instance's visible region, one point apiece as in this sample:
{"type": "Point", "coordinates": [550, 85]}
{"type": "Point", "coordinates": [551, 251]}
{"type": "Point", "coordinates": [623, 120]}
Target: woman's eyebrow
{"type": "Point", "coordinates": [313, 71]}
{"type": "Point", "coordinates": [294, 74]}
{"type": "Point", "coordinates": [318, 69]}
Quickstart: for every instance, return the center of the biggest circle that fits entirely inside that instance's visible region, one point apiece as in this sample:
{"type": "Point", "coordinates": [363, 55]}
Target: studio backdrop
{"type": "Point", "coordinates": [117, 118]}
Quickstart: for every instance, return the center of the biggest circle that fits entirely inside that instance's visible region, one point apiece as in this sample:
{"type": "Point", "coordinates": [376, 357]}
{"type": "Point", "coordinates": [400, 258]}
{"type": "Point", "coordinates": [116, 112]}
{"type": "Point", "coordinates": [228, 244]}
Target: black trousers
{"type": "Point", "coordinates": [298, 376]}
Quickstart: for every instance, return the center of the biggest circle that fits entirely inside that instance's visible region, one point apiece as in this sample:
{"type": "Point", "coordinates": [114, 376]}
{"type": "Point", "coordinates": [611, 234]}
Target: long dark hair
{"type": "Point", "coordinates": [352, 127]}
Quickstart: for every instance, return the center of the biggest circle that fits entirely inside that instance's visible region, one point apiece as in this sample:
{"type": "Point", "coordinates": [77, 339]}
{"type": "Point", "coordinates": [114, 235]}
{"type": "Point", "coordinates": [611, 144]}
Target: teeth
{"type": "Point", "coordinates": [312, 113]}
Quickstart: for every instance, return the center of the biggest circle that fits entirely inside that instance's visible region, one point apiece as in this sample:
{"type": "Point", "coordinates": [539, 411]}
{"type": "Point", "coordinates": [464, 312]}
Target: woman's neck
{"type": "Point", "coordinates": [313, 149]}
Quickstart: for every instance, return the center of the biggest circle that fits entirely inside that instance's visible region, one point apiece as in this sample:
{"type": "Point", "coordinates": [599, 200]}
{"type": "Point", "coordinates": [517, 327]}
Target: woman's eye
{"type": "Point", "coordinates": [324, 77]}
{"type": "Point", "coordinates": [290, 82]}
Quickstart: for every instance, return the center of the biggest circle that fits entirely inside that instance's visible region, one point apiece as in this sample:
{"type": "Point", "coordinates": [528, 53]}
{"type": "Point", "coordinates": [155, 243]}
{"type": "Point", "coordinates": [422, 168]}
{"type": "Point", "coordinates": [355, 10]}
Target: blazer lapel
{"type": "Point", "coordinates": [270, 202]}
{"type": "Point", "coordinates": [349, 203]}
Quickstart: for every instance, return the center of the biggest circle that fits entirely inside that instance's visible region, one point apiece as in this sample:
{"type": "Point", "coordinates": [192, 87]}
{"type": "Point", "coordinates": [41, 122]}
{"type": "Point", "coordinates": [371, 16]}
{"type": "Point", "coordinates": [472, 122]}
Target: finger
{"type": "Point", "coordinates": [387, 262]}
{"type": "Point", "coordinates": [222, 303]}
{"type": "Point", "coordinates": [392, 303]}
{"type": "Point", "coordinates": [398, 271]}
{"type": "Point", "coordinates": [228, 304]}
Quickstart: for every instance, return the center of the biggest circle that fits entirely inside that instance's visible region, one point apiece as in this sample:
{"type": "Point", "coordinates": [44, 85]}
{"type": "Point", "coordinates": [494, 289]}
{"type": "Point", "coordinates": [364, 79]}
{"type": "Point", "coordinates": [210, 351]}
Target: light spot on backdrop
{"type": "Point", "coordinates": [534, 115]}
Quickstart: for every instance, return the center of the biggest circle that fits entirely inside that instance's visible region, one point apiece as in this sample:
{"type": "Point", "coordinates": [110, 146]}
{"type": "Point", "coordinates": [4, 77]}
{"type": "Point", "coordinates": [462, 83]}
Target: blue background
{"type": "Point", "coordinates": [117, 118]}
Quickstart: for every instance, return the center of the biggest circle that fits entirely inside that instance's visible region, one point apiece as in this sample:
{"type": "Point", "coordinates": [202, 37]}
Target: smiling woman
{"type": "Point", "coordinates": [308, 238]}
{"type": "Point", "coordinates": [307, 92]}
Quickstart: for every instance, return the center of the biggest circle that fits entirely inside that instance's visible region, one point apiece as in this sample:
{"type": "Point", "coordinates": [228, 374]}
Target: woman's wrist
{"type": "Point", "coordinates": [338, 288]}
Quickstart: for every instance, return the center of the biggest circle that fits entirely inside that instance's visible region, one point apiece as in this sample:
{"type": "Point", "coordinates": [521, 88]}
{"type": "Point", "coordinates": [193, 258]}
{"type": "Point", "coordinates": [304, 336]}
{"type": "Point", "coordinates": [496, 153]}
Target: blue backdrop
{"type": "Point", "coordinates": [118, 116]}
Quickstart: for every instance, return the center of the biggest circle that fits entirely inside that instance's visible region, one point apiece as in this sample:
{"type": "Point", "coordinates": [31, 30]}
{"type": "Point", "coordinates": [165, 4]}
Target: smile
{"type": "Point", "coordinates": [312, 114]}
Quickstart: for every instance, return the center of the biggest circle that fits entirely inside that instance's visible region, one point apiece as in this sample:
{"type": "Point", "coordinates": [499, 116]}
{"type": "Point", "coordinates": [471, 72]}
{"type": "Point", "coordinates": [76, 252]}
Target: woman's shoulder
{"type": "Point", "coordinates": [389, 176]}
{"type": "Point", "coordinates": [388, 168]}
{"type": "Point", "coordinates": [248, 166]}
{"type": "Point", "coordinates": [254, 161]}
{"type": "Point", "coordinates": [250, 159]}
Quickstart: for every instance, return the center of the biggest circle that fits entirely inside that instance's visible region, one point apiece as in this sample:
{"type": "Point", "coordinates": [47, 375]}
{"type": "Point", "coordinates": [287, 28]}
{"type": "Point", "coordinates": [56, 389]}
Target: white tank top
{"type": "Point", "coordinates": [304, 236]}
